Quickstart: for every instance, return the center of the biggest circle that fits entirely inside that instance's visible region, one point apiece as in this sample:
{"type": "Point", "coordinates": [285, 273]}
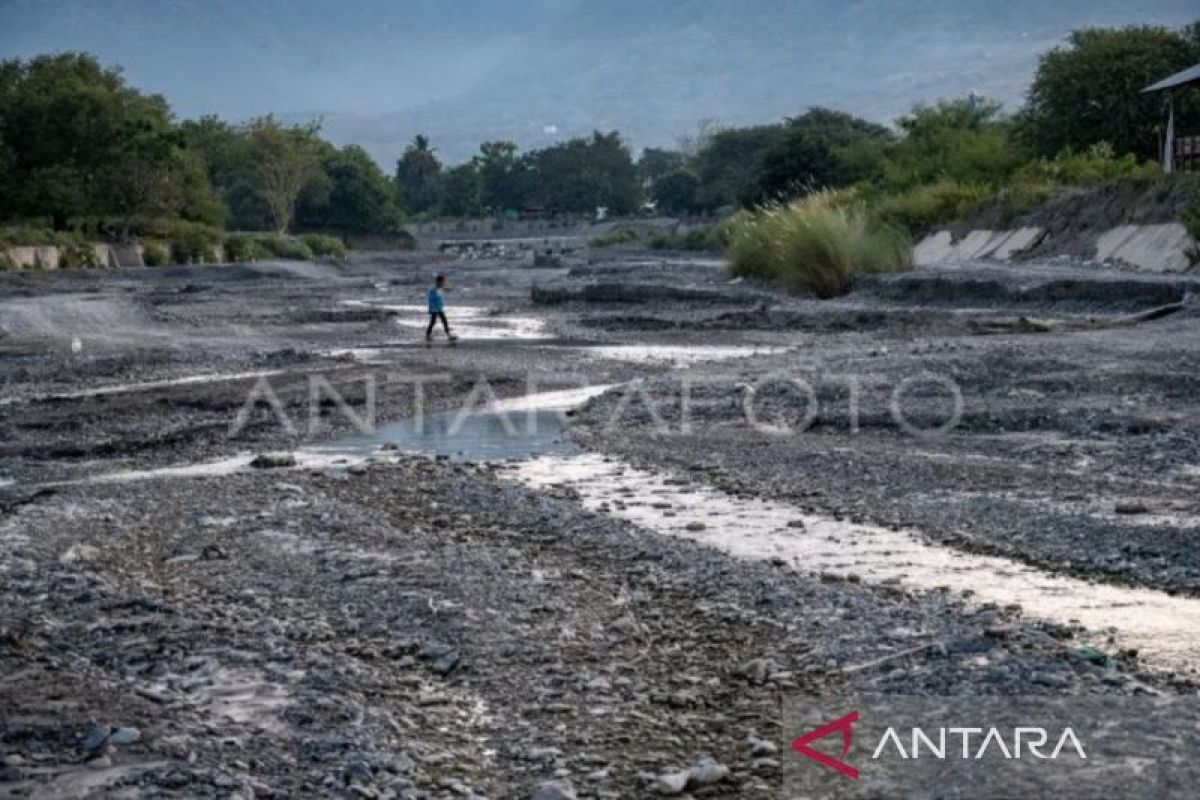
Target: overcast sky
{"type": "Point", "coordinates": [535, 70]}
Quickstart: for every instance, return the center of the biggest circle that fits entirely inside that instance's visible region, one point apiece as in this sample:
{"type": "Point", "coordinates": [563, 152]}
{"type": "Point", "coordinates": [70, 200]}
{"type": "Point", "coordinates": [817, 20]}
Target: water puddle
{"type": "Point", "coordinates": [1164, 629]}
{"type": "Point", "coordinates": [679, 355]}
{"type": "Point", "coordinates": [516, 427]}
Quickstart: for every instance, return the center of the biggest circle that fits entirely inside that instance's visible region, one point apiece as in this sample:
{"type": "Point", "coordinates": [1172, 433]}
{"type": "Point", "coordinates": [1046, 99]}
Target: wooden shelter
{"type": "Point", "coordinates": [1180, 154]}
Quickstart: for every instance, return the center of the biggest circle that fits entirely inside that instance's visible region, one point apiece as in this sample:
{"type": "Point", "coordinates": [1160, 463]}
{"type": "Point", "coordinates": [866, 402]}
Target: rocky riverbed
{"type": "Point", "coordinates": [357, 622]}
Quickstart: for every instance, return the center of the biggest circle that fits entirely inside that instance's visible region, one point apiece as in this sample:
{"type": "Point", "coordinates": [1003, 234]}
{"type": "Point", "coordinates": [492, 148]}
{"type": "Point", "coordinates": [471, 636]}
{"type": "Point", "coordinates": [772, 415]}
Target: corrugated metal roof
{"type": "Point", "coordinates": [1189, 75]}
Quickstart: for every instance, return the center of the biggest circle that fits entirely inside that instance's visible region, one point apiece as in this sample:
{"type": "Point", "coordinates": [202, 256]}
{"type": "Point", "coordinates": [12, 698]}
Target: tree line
{"type": "Point", "coordinates": [81, 148]}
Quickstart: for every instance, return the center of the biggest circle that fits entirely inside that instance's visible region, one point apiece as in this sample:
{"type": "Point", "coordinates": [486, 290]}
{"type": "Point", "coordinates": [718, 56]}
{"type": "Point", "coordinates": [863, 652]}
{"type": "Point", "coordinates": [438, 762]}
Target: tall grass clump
{"type": "Point", "coordinates": [749, 244]}
{"type": "Point", "coordinates": [816, 245]}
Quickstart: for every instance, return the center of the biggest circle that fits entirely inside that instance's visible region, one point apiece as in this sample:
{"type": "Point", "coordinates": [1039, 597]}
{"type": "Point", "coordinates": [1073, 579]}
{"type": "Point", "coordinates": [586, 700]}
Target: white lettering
{"type": "Point", "coordinates": [890, 734]}
{"type": "Point", "coordinates": [261, 391]}
{"type": "Point", "coordinates": [1034, 747]}
{"type": "Point", "coordinates": [919, 736]}
{"type": "Point", "coordinates": [319, 384]}
{"type": "Point", "coordinates": [993, 734]}
{"type": "Point", "coordinates": [482, 389]}
{"type": "Point", "coordinates": [966, 738]}
{"type": "Point", "coordinates": [1068, 734]}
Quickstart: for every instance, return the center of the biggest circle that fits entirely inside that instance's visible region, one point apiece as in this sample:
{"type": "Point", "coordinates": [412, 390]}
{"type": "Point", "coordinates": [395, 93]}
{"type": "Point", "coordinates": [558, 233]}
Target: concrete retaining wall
{"type": "Point", "coordinates": [1152, 248]}
{"type": "Point", "coordinates": [977, 245]}
{"type": "Point", "coordinates": [33, 257]}
{"type": "Point", "coordinates": [1149, 248]}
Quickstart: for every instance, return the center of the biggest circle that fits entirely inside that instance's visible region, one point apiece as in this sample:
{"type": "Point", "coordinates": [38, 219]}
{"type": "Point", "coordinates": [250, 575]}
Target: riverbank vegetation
{"type": "Point", "coordinates": [88, 156]}
{"type": "Point", "coordinates": [815, 245]}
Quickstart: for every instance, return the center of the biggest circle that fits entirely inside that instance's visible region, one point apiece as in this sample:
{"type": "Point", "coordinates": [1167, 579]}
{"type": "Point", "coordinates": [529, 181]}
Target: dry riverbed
{"type": "Point", "coordinates": [358, 619]}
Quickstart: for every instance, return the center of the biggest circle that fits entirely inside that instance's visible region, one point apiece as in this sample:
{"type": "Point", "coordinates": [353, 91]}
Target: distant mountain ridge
{"type": "Point", "coordinates": [535, 71]}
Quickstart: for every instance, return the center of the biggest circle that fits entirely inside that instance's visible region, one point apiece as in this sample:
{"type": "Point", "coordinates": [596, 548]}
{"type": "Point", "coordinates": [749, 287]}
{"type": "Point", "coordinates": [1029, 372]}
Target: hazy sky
{"type": "Point", "coordinates": [535, 70]}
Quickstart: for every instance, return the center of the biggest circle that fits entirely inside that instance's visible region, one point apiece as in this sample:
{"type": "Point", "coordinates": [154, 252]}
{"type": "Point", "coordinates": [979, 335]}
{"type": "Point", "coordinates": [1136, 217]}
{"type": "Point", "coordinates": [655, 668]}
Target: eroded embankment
{"type": "Point", "coordinates": [1124, 223]}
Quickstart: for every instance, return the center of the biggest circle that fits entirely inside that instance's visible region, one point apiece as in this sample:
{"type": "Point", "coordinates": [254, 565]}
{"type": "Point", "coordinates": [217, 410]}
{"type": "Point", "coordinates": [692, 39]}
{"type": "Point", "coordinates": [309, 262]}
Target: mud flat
{"type": "Point", "coordinates": [216, 580]}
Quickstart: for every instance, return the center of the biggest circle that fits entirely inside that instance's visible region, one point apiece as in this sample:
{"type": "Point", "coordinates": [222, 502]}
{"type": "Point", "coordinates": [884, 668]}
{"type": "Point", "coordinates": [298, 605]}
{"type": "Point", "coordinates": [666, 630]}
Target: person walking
{"type": "Point", "coordinates": [436, 302]}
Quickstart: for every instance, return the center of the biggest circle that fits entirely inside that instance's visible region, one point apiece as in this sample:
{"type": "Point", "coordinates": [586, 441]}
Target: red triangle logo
{"type": "Point", "coordinates": [845, 725]}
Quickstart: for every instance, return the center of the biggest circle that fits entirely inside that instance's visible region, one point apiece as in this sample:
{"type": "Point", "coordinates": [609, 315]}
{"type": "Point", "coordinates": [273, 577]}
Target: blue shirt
{"type": "Point", "coordinates": [436, 301]}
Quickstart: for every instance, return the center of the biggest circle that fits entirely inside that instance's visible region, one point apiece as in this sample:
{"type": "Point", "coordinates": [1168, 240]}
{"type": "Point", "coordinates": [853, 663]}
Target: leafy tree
{"type": "Point", "coordinates": [153, 175]}
{"type": "Point", "coordinates": [461, 191]}
{"type": "Point", "coordinates": [965, 140]}
{"type": "Point", "coordinates": [358, 195]}
{"type": "Point", "coordinates": [580, 175]}
{"type": "Point", "coordinates": [1090, 90]}
{"type": "Point", "coordinates": [418, 176]}
{"type": "Point", "coordinates": [821, 148]}
{"type": "Point", "coordinates": [286, 160]}
{"type": "Point", "coordinates": [795, 166]}
{"type": "Point", "coordinates": [503, 177]}
{"type": "Point", "coordinates": [656, 163]}
{"type": "Point", "coordinates": [226, 152]}
{"type": "Point", "coordinates": [1192, 34]}
{"type": "Point", "coordinates": [677, 192]}
{"type": "Point", "coordinates": [72, 129]}
{"type": "Point", "coordinates": [728, 166]}
{"type": "Point", "coordinates": [223, 147]}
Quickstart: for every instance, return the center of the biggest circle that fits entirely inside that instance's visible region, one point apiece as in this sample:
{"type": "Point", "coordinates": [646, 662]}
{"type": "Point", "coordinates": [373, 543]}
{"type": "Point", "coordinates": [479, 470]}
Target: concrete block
{"type": "Point", "coordinates": [127, 255]}
{"type": "Point", "coordinates": [933, 249]}
{"type": "Point", "coordinates": [1014, 242]}
{"type": "Point", "coordinates": [34, 257]}
{"type": "Point", "coordinates": [1153, 248]}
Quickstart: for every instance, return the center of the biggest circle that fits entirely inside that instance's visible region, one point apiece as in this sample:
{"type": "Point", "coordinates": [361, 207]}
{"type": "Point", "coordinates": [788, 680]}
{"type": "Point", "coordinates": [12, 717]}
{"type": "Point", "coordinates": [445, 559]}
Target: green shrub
{"type": "Point", "coordinates": [615, 237]}
{"type": "Point", "coordinates": [6, 261]}
{"type": "Point", "coordinates": [917, 210]}
{"type": "Point", "coordinates": [322, 245]}
{"type": "Point", "coordinates": [154, 254]}
{"type": "Point", "coordinates": [816, 245]}
{"type": "Point", "coordinates": [191, 242]}
{"type": "Point", "coordinates": [1022, 196]}
{"type": "Point", "coordinates": [29, 236]}
{"type": "Point", "coordinates": [1191, 221]}
{"type": "Point", "coordinates": [693, 240]}
{"type": "Point", "coordinates": [241, 247]}
{"type": "Point", "coordinates": [286, 247]}
{"type": "Point", "coordinates": [77, 252]}
{"type": "Point", "coordinates": [190, 249]}
{"type": "Point", "coordinates": [1096, 163]}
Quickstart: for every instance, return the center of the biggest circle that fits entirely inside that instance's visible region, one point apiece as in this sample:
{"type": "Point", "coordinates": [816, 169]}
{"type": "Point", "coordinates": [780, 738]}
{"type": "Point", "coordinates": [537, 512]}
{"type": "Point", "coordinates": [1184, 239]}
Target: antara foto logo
{"type": "Point", "coordinates": [845, 725]}
{"type": "Point", "coordinates": [974, 744]}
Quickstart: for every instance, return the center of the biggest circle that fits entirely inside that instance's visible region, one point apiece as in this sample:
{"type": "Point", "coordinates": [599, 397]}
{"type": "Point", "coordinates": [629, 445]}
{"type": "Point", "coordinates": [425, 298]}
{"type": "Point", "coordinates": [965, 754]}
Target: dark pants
{"type": "Point", "coordinates": [434, 316]}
